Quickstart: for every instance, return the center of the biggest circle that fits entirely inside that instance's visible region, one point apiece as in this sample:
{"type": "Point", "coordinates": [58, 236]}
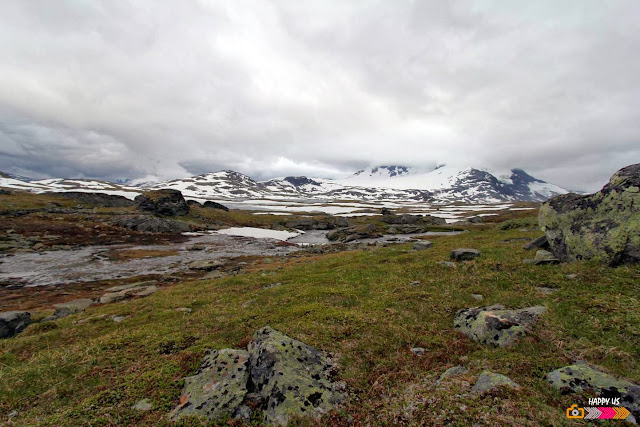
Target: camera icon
{"type": "Point", "coordinates": [575, 413]}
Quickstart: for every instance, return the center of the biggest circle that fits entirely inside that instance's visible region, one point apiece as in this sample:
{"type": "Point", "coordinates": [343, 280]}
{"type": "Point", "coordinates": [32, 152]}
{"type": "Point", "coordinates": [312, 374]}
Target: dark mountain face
{"type": "Point", "coordinates": [301, 180]}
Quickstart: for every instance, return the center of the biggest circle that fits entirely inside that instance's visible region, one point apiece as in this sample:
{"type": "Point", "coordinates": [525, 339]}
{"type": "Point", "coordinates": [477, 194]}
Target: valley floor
{"type": "Point", "coordinates": [367, 307]}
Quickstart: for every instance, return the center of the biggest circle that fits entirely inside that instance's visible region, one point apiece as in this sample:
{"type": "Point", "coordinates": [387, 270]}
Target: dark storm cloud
{"type": "Point", "coordinates": [165, 89]}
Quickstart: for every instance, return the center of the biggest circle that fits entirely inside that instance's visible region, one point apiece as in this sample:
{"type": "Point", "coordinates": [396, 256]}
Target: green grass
{"type": "Point", "coordinates": [358, 305]}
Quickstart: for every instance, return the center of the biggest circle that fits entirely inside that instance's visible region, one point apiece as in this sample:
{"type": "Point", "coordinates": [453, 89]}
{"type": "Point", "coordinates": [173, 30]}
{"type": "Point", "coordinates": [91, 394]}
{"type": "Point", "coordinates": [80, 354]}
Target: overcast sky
{"type": "Point", "coordinates": [142, 89]}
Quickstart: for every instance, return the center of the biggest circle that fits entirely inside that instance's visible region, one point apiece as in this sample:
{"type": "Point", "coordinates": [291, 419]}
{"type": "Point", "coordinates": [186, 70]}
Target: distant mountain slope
{"type": "Point", "coordinates": [443, 184]}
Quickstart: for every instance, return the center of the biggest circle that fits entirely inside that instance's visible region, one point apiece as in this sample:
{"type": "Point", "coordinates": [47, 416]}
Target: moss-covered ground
{"type": "Point", "coordinates": [362, 307]}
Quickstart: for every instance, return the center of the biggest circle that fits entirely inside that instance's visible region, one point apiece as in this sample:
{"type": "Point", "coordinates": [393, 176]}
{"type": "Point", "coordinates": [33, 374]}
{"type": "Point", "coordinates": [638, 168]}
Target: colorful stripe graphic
{"type": "Point", "coordinates": [605, 413]}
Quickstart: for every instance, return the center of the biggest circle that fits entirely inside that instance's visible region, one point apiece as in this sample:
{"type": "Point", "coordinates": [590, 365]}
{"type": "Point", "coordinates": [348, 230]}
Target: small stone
{"type": "Point", "coordinates": [489, 381]}
{"type": "Point", "coordinates": [143, 405]}
{"type": "Point", "coordinates": [539, 243]}
{"type": "Point", "coordinates": [477, 297]}
{"type": "Point", "coordinates": [197, 247]}
{"type": "Point", "coordinates": [183, 309]}
{"type": "Point", "coordinates": [545, 257]}
{"type": "Point", "coordinates": [416, 283]}
{"type": "Point", "coordinates": [546, 291]}
{"type": "Point", "coordinates": [131, 285]}
{"type": "Point", "coordinates": [206, 265]}
{"type": "Point", "coordinates": [248, 303]}
{"type": "Point", "coordinates": [452, 372]}
{"type": "Point", "coordinates": [273, 285]}
{"type": "Point", "coordinates": [464, 254]}
{"type": "Point", "coordinates": [119, 319]}
{"type": "Point", "coordinates": [571, 276]}
{"type": "Point", "coordinates": [421, 245]}
{"type": "Point", "coordinates": [12, 414]}
{"type": "Point", "coordinates": [447, 264]}
{"type": "Point", "coordinates": [418, 351]}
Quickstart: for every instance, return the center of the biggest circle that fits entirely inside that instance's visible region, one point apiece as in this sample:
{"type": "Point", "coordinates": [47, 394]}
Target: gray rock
{"type": "Point", "coordinates": [539, 243]}
{"type": "Point", "coordinates": [13, 322]}
{"type": "Point", "coordinates": [95, 199]}
{"type": "Point", "coordinates": [571, 276]}
{"type": "Point", "coordinates": [418, 351]}
{"type": "Point", "coordinates": [206, 265]}
{"type": "Point", "coordinates": [416, 283]}
{"type": "Point", "coordinates": [143, 405]}
{"type": "Point", "coordinates": [452, 372]}
{"type": "Point", "coordinates": [291, 377]}
{"type": "Point", "coordinates": [604, 226]}
{"type": "Point", "coordinates": [164, 202]}
{"type": "Point", "coordinates": [131, 285]}
{"type": "Point", "coordinates": [448, 264]}
{"type": "Point", "coordinates": [546, 291]}
{"type": "Point", "coordinates": [68, 308]}
{"type": "Point", "coordinates": [422, 244]}
{"type": "Point", "coordinates": [477, 297]}
{"type": "Point", "coordinates": [464, 254]}
{"type": "Point", "coordinates": [152, 224]}
{"type": "Point", "coordinates": [488, 381]}
{"type": "Point", "coordinates": [119, 319]}
{"type": "Point", "coordinates": [138, 291]}
{"type": "Point", "coordinates": [218, 388]}
{"type": "Point", "coordinates": [580, 378]}
{"type": "Point", "coordinates": [183, 309]}
{"type": "Point", "coordinates": [353, 233]}
{"type": "Point", "coordinates": [215, 205]}
{"type": "Point", "coordinates": [494, 325]}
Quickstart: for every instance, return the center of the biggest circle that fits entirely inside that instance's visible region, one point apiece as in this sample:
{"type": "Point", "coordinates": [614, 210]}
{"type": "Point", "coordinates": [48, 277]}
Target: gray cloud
{"type": "Point", "coordinates": [164, 89]}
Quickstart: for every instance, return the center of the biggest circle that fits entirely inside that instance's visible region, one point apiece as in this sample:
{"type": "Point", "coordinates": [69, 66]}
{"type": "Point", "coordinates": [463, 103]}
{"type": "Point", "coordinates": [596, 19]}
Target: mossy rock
{"type": "Point", "coordinates": [164, 202]}
{"type": "Point", "coordinates": [604, 226]}
{"type": "Point", "coordinates": [494, 325]}
{"type": "Point", "coordinates": [580, 378]}
{"type": "Point", "coordinates": [488, 381]}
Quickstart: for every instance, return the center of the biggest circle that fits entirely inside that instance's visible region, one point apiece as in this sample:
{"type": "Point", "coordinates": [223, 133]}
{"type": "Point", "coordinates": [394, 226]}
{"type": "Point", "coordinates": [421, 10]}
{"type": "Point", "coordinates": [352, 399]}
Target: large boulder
{"type": "Point", "coordinates": [464, 254]}
{"type": "Point", "coordinates": [278, 375]}
{"type": "Point", "coordinates": [494, 325]}
{"type": "Point", "coordinates": [581, 378]}
{"type": "Point", "coordinates": [604, 226]}
{"type": "Point", "coordinates": [152, 224]}
{"type": "Point", "coordinates": [13, 322]}
{"type": "Point", "coordinates": [324, 222]}
{"type": "Point", "coordinates": [219, 387]}
{"type": "Point", "coordinates": [354, 233]}
{"type": "Point", "coordinates": [291, 377]}
{"type": "Point", "coordinates": [215, 205]}
{"type": "Point", "coordinates": [164, 202]}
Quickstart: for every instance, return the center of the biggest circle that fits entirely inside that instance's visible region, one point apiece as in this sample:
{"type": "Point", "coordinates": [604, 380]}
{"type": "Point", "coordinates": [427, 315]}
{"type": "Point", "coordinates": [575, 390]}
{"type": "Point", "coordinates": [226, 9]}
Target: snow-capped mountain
{"type": "Point", "coordinates": [444, 184]}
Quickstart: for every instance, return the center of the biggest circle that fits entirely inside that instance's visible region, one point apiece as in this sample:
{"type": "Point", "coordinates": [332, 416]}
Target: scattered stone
{"type": "Point", "coordinates": [464, 254]}
{"type": "Point", "coordinates": [604, 226]}
{"type": "Point", "coordinates": [184, 309]}
{"type": "Point", "coordinates": [580, 377]}
{"type": "Point", "coordinates": [248, 303]}
{"type": "Point", "coordinates": [273, 285]}
{"type": "Point", "coordinates": [37, 246]}
{"type": "Point", "coordinates": [571, 276]}
{"type": "Point", "coordinates": [68, 308]}
{"type": "Point", "coordinates": [215, 205]}
{"type": "Point", "coordinates": [166, 202]}
{"type": "Point", "coordinates": [546, 290]}
{"type": "Point", "coordinates": [354, 233]}
{"type": "Point", "coordinates": [418, 351]}
{"type": "Point", "coordinates": [197, 247]}
{"type": "Point", "coordinates": [292, 378]}
{"type": "Point", "coordinates": [475, 220]}
{"type": "Point", "coordinates": [448, 264]}
{"type": "Point", "coordinates": [495, 325]}
{"type": "Point", "coordinates": [119, 319]}
{"type": "Point", "coordinates": [452, 372]}
{"type": "Point", "coordinates": [206, 265]}
{"type": "Point", "coordinates": [488, 381]}
{"type": "Point", "coordinates": [416, 283]}
{"type": "Point", "coordinates": [138, 291]}
{"type": "Point", "coordinates": [539, 243]}
{"type": "Point", "coordinates": [91, 319]}
{"type": "Point", "coordinates": [132, 285]}
{"type": "Point", "coordinates": [477, 297]}
{"type": "Point", "coordinates": [143, 405]}
{"type": "Point", "coordinates": [213, 275]}
{"type": "Point", "coordinates": [218, 388]}
{"type": "Point", "coordinates": [324, 222]}
{"type": "Point", "coordinates": [13, 322]}
{"type": "Point", "coordinates": [421, 245]}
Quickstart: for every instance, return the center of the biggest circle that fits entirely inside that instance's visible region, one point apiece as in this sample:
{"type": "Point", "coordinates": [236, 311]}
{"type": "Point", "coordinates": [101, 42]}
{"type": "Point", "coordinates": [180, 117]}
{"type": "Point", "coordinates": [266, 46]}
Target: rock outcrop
{"type": "Point", "coordinates": [604, 226]}
{"type": "Point", "coordinates": [165, 202]}
{"type": "Point", "coordinates": [324, 222]}
{"type": "Point", "coordinates": [68, 308]}
{"type": "Point", "coordinates": [354, 233]}
{"type": "Point", "coordinates": [152, 224]}
{"type": "Point", "coordinates": [278, 375]}
{"type": "Point", "coordinates": [215, 205]}
{"type": "Point", "coordinates": [580, 377]}
{"type": "Point", "coordinates": [494, 325]}
{"type": "Point", "coordinates": [119, 293]}
{"type": "Point", "coordinates": [539, 243]}
{"type": "Point", "coordinates": [13, 322]}
{"type": "Point", "coordinates": [95, 199]}
{"type": "Point", "coordinates": [421, 245]}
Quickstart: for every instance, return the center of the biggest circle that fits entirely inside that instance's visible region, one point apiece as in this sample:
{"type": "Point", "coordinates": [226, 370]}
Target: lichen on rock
{"type": "Point", "coordinates": [494, 325]}
{"type": "Point", "coordinates": [604, 226]}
